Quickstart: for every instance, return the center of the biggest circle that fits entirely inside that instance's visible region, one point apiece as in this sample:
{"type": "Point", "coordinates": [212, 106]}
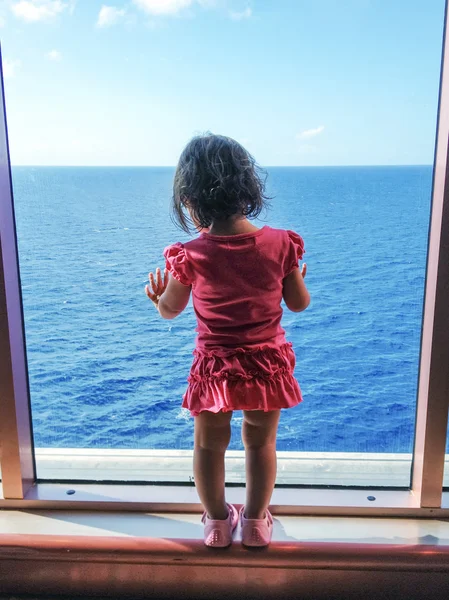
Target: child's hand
{"type": "Point", "coordinates": [158, 286]}
{"type": "Point", "coordinates": [303, 270]}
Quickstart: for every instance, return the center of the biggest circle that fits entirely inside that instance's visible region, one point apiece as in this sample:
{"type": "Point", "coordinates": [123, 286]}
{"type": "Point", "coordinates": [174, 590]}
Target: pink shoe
{"type": "Point", "coordinates": [256, 532]}
{"type": "Point", "coordinates": [218, 532]}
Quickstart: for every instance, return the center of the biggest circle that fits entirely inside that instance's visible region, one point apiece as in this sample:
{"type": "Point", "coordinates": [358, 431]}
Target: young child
{"type": "Point", "coordinates": [238, 275]}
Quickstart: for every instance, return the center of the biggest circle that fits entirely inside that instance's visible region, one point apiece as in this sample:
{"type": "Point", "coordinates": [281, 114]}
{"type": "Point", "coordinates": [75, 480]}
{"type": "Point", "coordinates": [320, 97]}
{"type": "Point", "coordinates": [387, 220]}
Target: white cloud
{"type": "Point", "coordinates": [109, 15]}
{"type": "Point", "coordinates": [9, 67]}
{"type": "Point", "coordinates": [162, 7]}
{"type": "Point", "coordinates": [310, 133]}
{"type": "Point", "coordinates": [38, 10]}
{"type": "Point", "coordinates": [239, 15]}
{"type": "Point", "coordinates": [54, 55]}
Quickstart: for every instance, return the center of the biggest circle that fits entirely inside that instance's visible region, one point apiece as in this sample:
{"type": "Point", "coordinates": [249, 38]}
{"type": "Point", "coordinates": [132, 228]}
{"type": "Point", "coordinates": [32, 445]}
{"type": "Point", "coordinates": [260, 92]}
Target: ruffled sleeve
{"type": "Point", "coordinates": [295, 252]}
{"type": "Point", "coordinates": [177, 263]}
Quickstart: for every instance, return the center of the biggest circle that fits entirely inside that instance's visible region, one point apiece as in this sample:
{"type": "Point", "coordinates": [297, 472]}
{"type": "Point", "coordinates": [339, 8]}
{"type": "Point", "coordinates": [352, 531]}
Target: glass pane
{"type": "Point", "coordinates": [347, 125]}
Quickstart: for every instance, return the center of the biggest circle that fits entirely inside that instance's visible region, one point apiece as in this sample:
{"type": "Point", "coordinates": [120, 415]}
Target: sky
{"type": "Point", "coordinates": [297, 82]}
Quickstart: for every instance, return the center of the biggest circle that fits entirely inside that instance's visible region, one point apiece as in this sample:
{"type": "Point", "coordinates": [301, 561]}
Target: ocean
{"type": "Point", "coordinates": [106, 372]}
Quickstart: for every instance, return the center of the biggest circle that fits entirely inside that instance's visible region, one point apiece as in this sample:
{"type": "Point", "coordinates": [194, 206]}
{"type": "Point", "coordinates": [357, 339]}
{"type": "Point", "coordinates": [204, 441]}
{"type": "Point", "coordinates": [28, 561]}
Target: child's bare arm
{"type": "Point", "coordinates": [169, 296]}
{"type": "Point", "coordinates": [294, 291]}
{"type": "Point", "coordinates": [174, 299]}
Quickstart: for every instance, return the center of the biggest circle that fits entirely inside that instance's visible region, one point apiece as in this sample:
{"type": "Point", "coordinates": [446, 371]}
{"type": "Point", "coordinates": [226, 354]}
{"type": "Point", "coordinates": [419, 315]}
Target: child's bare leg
{"type": "Point", "coordinates": [212, 436]}
{"type": "Point", "coordinates": [259, 437]}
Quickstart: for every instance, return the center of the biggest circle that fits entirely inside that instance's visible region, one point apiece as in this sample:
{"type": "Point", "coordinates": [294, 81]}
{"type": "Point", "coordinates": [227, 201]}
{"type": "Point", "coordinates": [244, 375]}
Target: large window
{"type": "Point", "coordinates": [345, 128]}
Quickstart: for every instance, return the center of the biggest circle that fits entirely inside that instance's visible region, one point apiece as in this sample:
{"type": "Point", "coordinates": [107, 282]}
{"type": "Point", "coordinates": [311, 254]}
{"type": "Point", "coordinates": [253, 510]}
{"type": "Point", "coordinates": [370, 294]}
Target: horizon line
{"type": "Point", "coordinates": [264, 166]}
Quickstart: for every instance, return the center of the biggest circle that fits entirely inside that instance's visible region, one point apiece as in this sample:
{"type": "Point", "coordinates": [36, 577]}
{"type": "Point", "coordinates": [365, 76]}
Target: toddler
{"type": "Point", "coordinates": [238, 275]}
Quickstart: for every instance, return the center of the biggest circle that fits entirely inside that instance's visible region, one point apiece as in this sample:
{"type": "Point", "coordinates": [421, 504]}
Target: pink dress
{"type": "Point", "coordinates": [242, 360]}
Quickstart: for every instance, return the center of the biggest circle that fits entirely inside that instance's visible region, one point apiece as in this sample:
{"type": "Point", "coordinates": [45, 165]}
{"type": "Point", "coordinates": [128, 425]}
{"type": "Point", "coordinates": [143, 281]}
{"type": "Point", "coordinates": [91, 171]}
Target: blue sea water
{"type": "Point", "coordinates": [106, 372]}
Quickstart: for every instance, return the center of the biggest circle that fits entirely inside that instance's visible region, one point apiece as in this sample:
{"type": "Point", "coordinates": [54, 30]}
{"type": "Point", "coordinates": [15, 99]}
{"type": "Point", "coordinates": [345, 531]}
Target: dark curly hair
{"type": "Point", "coordinates": [216, 178]}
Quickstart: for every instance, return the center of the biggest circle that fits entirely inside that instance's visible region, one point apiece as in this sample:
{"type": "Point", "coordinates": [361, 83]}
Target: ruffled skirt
{"type": "Point", "coordinates": [258, 378]}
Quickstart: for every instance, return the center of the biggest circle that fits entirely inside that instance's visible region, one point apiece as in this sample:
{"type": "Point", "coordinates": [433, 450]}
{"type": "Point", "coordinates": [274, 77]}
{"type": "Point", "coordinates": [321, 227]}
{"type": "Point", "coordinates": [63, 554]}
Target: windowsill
{"type": "Point", "coordinates": [94, 552]}
{"type": "Point", "coordinates": [188, 527]}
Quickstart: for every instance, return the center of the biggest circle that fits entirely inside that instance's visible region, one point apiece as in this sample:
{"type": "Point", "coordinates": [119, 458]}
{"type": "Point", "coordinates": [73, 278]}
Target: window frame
{"type": "Point", "coordinates": [21, 488]}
